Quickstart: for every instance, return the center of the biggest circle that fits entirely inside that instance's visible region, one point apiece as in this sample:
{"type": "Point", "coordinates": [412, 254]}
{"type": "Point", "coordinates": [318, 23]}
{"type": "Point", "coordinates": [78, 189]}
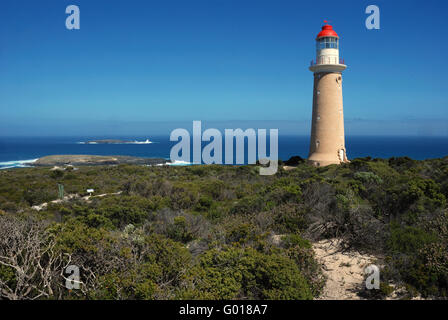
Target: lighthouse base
{"type": "Point", "coordinates": [318, 159]}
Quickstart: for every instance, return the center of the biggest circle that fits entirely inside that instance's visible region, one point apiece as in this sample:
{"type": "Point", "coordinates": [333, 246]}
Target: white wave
{"type": "Point", "coordinates": [16, 164]}
{"type": "Point", "coordinates": [141, 142]}
{"type": "Point", "coordinates": [147, 141]}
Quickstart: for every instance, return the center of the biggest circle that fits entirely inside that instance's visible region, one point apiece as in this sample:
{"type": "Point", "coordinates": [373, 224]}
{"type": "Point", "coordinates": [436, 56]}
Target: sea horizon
{"type": "Point", "coordinates": [21, 151]}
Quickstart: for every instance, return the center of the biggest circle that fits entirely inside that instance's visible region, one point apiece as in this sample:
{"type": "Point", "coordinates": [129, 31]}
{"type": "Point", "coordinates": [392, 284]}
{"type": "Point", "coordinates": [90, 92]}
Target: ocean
{"type": "Point", "coordinates": [22, 151]}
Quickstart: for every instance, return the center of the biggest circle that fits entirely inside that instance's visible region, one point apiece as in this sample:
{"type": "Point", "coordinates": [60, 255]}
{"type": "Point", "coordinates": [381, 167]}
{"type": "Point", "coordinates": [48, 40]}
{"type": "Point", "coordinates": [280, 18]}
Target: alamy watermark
{"type": "Point", "coordinates": [212, 153]}
{"type": "Point", "coordinates": [72, 281]}
{"type": "Point", "coordinates": [373, 278]}
{"type": "Point", "coordinates": [373, 20]}
{"type": "Point", "coordinates": [73, 21]}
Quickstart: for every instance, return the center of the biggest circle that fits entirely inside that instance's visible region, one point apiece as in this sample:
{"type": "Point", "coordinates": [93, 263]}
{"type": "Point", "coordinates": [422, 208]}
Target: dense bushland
{"type": "Point", "coordinates": [220, 232]}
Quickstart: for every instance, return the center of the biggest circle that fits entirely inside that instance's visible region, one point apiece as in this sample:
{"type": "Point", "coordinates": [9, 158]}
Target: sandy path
{"type": "Point", "coordinates": [344, 270]}
{"type": "Point", "coordinates": [87, 198]}
{"type": "Point", "coordinates": [73, 196]}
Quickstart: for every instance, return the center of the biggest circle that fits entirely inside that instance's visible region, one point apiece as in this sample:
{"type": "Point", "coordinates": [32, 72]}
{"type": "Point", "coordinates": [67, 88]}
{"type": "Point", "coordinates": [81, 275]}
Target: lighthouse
{"type": "Point", "coordinates": [327, 145]}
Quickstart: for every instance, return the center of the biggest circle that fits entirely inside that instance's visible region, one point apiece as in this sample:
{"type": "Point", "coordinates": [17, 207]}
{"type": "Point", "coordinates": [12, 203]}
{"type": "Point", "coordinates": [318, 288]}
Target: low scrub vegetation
{"type": "Point", "coordinates": [220, 232]}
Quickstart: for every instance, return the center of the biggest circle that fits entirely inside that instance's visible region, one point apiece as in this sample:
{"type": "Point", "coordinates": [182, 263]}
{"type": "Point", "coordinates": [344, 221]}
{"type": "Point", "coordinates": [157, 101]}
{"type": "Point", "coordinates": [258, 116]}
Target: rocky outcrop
{"type": "Point", "coordinates": [91, 160]}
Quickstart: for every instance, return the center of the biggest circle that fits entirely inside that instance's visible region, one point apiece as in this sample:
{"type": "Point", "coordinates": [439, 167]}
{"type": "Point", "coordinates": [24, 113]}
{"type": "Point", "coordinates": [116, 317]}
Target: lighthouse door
{"type": "Point", "coordinates": [341, 154]}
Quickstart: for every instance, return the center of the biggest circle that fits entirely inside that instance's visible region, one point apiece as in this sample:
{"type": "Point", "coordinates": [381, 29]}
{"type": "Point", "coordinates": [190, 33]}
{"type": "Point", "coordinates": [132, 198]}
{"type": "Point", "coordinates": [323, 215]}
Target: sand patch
{"type": "Point", "coordinates": [344, 270]}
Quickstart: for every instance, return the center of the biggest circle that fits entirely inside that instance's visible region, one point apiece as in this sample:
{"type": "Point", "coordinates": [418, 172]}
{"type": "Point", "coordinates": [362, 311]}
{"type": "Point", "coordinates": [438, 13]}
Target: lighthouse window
{"type": "Point", "coordinates": [327, 43]}
{"type": "Point", "coordinates": [320, 44]}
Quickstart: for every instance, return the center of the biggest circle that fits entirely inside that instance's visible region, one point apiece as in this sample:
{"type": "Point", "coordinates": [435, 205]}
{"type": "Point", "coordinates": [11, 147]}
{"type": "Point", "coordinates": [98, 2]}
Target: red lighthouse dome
{"type": "Point", "coordinates": [327, 31]}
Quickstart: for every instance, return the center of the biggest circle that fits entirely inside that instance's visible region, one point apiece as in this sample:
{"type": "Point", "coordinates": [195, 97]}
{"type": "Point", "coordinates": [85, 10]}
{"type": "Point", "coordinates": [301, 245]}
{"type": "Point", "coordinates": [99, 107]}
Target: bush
{"type": "Point", "coordinates": [245, 273]}
{"type": "Point", "coordinates": [57, 174]}
{"type": "Point", "coordinates": [368, 177]}
{"type": "Point", "coordinates": [408, 239]}
{"type": "Point", "coordinates": [289, 218]}
{"type": "Point", "coordinates": [294, 161]}
{"type": "Point", "coordinates": [420, 259]}
{"type": "Point", "coordinates": [180, 226]}
{"type": "Point", "coordinates": [293, 240]}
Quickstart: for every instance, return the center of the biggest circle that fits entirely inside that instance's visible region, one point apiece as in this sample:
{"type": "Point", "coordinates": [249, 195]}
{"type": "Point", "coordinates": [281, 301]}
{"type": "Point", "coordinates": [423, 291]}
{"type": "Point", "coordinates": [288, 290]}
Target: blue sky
{"type": "Point", "coordinates": [134, 63]}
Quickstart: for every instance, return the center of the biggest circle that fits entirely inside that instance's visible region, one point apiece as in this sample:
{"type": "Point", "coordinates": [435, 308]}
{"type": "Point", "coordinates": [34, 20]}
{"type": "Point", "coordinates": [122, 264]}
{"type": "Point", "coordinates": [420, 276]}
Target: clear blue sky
{"type": "Point", "coordinates": [136, 62]}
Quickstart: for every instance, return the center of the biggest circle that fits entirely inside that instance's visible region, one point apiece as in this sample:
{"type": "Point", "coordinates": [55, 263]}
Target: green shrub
{"type": "Point", "coordinates": [57, 174]}
{"type": "Point", "coordinates": [293, 240]}
{"type": "Point", "coordinates": [178, 231]}
{"type": "Point", "coordinates": [289, 218]}
{"type": "Point", "coordinates": [245, 273]}
{"type": "Point", "coordinates": [409, 239]}
{"type": "Point", "coordinates": [368, 177]}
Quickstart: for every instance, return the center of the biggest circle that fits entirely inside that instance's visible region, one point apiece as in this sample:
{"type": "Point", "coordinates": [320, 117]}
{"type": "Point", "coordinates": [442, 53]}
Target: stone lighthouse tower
{"type": "Point", "coordinates": [327, 129]}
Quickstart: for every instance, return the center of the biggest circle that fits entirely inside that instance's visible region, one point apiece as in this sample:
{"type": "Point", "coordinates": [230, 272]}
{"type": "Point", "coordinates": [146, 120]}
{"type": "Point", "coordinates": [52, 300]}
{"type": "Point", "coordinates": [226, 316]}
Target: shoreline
{"type": "Point", "coordinates": [98, 160]}
{"type": "Point", "coordinates": [87, 160]}
{"type": "Point", "coordinates": [81, 160]}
